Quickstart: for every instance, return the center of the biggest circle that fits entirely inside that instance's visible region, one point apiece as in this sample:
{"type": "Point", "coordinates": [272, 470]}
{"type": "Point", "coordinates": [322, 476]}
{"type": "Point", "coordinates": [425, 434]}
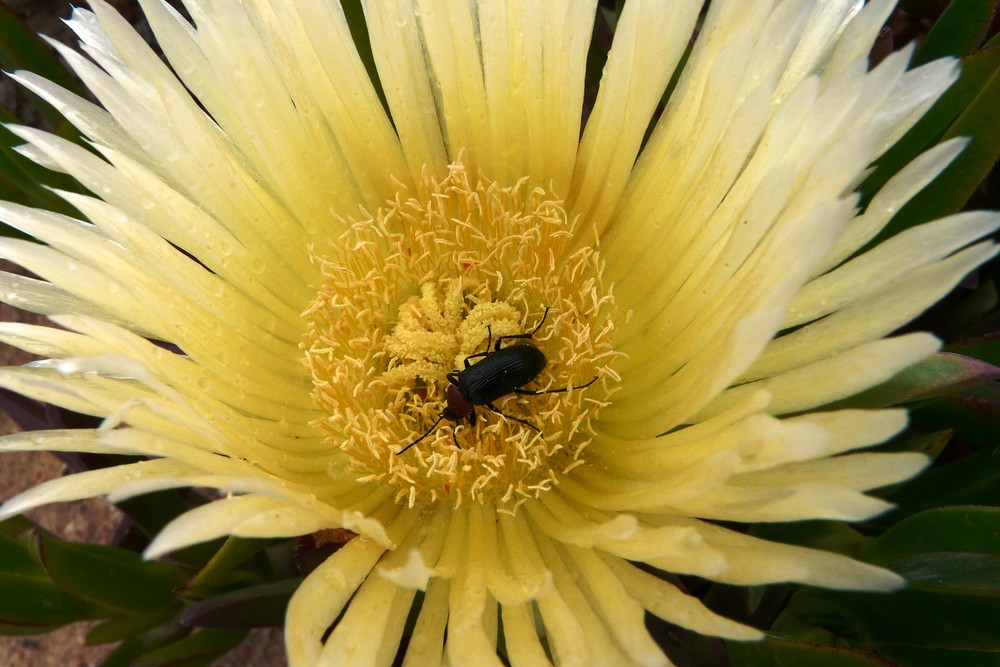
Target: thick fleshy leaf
{"type": "Point", "coordinates": [918, 656]}
{"type": "Point", "coordinates": [107, 576]}
{"type": "Point", "coordinates": [972, 480]}
{"type": "Point", "coordinates": [119, 628]}
{"type": "Point", "coordinates": [252, 607]}
{"type": "Point", "coordinates": [137, 645]}
{"type": "Point", "coordinates": [15, 558]}
{"type": "Point", "coordinates": [952, 601]}
{"type": "Point", "coordinates": [233, 553]}
{"type": "Point", "coordinates": [973, 415]}
{"type": "Point", "coordinates": [198, 648]}
{"type": "Point", "coordinates": [959, 31]}
{"type": "Point", "coordinates": [776, 652]}
{"type": "Point", "coordinates": [985, 348]}
{"type": "Point", "coordinates": [930, 445]}
{"type": "Point", "coordinates": [942, 374]}
{"type": "Point", "coordinates": [30, 605]}
{"type": "Point", "coordinates": [945, 529]}
{"type": "Point", "coordinates": [30, 602]}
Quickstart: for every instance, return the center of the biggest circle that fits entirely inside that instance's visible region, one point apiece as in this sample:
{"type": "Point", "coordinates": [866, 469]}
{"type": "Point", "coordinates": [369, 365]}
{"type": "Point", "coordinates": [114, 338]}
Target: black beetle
{"type": "Point", "coordinates": [502, 371]}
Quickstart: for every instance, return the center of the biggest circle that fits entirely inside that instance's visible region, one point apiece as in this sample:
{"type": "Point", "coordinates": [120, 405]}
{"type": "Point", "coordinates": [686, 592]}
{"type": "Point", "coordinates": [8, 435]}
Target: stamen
{"type": "Point", "coordinates": [425, 284]}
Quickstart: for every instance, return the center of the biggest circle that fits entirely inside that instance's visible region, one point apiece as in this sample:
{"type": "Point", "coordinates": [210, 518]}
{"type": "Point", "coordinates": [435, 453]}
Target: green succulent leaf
{"type": "Point", "coordinates": [119, 628]}
{"type": "Point", "coordinates": [939, 375]}
{"type": "Point", "coordinates": [198, 649]}
{"type": "Point", "coordinates": [940, 608]}
{"type": "Point", "coordinates": [776, 652]}
{"type": "Point", "coordinates": [234, 552]}
{"type": "Point", "coordinates": [252, 607]}
{"type": "Point", "coordinates": [973, 415]}
{"type": "Point", "coordinates": [961, 28]}
{"type": "Point", "coordinates": [138, 645]}
{"type": "Point", "coordinates": [113, 578]}
{"type": "Point", "coordinates": [985, 348]}
{"type": "Point", "coordinates": [943, 529]}
{"type": "Point", "coordinates": [972, 480]}
{"type": "Point", "coordinates": [15, 557]}
{"type": "Point", "coordinates": [915, 656]}
{"type": "Point", "coordinates": [31, 605]}
{"type": "Point", "coordinates": [930, 444]}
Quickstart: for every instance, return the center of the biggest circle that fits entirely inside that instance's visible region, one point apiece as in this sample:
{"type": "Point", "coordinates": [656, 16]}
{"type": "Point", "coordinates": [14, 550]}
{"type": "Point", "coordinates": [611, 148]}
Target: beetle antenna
{"type": "Point", "coordinates": [532, 392]}
{"type": "Point", "coordinates": [429, 431]}
{"type": "Point", "coordinates": [539, 326]}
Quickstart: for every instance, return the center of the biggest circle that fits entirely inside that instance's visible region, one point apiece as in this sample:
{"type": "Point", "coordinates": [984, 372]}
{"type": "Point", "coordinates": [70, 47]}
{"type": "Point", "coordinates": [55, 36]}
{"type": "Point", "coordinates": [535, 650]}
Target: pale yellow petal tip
{"type": "Point", "coordinates": [882, 580]}
{"type": "Point", "coordinates": [9, 509]}
{"type": "Point", "coordinates": [40, 495]}
{"type": "Point", "coordinates": [367, 526]}
{"type": "Point", "coordinates": [161, 545]}
{"type": "Point", "coordinates": [892, 422]}
{"type": "Point", "coordinates": [910, 464]}
{"type": "Point", "coordinates": [412, 574]}
{"type": "Point", "coordinates": [743, 633]}
{"type": "Point", "coordinates": [852, 575]}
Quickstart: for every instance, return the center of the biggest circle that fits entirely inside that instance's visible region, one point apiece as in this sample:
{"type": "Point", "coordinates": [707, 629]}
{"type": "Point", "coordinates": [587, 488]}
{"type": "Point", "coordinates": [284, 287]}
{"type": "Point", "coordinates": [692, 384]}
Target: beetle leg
{"type": "Point", "coordinates": [503, 338]}
{"type": "Point", "coordinates": [477, 355]}
{"type": "Point", "coordinates": [486, 352]}
{"type": "Point", "coordinates": [544, 315]}
{"type": "Point", "coordinates": [517, 419]}
{"type": "Point", "coordinates": [533, 392]}
{"type": "Point", "coordinates": [528, 335]}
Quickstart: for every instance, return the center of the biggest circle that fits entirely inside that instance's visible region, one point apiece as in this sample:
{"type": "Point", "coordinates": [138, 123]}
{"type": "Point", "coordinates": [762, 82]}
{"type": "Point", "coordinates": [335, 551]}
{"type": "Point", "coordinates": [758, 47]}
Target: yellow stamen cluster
{"type": "Point", "coordinates": [414, 290]}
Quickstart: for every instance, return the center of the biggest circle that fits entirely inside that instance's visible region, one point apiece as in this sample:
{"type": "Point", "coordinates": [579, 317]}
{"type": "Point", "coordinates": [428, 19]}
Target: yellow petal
{"type": "Point", "coordinates": [322, 596]}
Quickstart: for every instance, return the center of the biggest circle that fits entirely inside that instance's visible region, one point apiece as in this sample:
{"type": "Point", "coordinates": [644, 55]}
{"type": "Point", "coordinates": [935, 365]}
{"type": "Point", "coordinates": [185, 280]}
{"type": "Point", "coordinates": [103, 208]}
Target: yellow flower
{"type": "Point", "coordinates": [319, 267]}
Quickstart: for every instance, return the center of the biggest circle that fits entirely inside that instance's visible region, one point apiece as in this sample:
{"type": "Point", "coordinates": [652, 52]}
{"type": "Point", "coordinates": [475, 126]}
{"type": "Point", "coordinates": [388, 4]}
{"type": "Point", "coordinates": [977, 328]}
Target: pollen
{"type": "Point", "coordinates": [431, 280]}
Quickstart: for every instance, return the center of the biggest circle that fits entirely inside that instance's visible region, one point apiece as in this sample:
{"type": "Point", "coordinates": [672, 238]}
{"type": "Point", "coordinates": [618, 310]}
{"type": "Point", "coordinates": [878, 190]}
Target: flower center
{"type": "Point", "coordinates": [416, 297]}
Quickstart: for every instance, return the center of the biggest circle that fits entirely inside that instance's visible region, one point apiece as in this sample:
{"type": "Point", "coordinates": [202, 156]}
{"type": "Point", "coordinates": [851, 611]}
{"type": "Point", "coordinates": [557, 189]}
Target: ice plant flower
{"type": "Point", "coordinates": [319, 264]}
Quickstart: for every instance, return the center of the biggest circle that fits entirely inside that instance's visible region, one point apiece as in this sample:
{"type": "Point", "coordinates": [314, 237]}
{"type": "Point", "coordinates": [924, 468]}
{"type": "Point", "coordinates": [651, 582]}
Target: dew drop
{"type": "Point", "coordinates": [67, 367]}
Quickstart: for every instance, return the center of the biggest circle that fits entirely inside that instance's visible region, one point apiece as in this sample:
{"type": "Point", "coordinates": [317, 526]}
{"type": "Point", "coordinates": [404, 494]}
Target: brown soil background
{"type": "Point", "coordinates": [93, 521]}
